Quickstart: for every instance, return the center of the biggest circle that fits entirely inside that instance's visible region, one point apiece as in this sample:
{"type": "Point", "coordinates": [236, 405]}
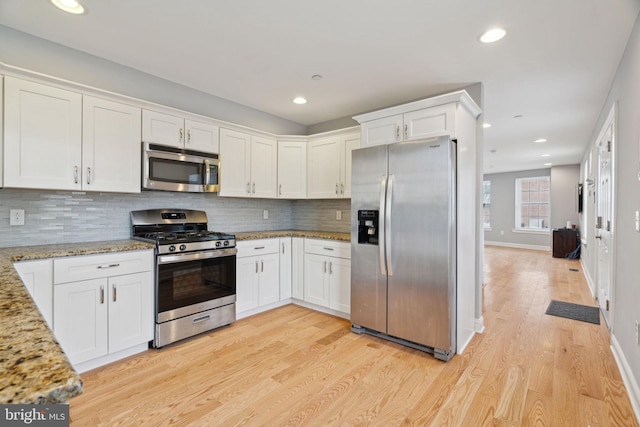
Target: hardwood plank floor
{"type": "Point", "coordinates": [293, 366]}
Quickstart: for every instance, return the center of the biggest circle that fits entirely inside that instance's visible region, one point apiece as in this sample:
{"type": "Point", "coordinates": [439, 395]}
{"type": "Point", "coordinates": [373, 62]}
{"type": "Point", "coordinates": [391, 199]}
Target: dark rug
{"type": "Point", "coordinates": [584, 313]}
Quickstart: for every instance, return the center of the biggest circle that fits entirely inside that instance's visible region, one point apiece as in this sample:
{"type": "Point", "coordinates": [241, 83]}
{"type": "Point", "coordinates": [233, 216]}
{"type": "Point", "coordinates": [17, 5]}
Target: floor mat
{"type": "Point", "coordinates": [569, 310]}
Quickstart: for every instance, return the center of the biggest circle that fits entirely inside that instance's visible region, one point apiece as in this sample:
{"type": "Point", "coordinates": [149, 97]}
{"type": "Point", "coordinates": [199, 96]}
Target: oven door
{"type": "Point", "coordinates": [174, 169]}
{"type": "Point", "coordinates": [194, 282]}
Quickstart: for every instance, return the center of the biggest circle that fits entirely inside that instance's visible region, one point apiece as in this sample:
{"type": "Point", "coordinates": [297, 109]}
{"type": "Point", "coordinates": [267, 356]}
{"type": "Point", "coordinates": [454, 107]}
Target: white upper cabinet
{"type": "Point", "coordinates": [42, 136]}
{"type": "Point", "coordinates": [248, 165]}
{"type": "Point", "coordinates": [292, 169]}
{"type": "Point", "coordinates": [427, 118]}
{"type": "Point", "coordinates": [329, 166]}
{"type": "Point", "coordinates": [110, 146]}
{"type": "Point", "coordinates": [175, 131]}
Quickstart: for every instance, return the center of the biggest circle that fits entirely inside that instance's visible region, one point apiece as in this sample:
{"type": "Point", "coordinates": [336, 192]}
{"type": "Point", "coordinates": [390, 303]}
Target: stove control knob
{"type": "Point", "coordinates": [218, 244]}
{"type": "Point", "coordinates": [183, 247]}
{"type": "Point", "coordinates": [172, 248]}
{"type": "Point", "coordinates": [226, 243]}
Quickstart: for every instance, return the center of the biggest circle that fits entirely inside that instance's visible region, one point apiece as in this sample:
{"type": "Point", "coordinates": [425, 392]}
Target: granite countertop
{"type": "Point", "coordinates": [329, 235]}
{"type": "Point", "coordinates": [33, 367]}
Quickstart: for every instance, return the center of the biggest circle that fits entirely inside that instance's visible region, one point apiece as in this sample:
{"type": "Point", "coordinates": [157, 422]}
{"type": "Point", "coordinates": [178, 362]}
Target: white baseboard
{"type": "Point", "coordinates": [590, 283]}
{"type": "Point", "coordinates": [633, 390]}
{"type": "Point", "coordinates": [263, 308]}
{"type": "Point", "coordinates": [104, 360]}
{"type": "Point", "coordinates": [480, 325]}
{"type": "Point", "coordinates": [518, 246]}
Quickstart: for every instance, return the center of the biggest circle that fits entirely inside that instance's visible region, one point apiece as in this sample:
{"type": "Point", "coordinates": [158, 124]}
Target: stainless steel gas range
{"type": "Point", "coordinates": [195, 287]}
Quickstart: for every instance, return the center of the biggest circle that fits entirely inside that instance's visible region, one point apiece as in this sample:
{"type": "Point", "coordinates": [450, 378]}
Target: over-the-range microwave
{"type": "Point", "coordinates": [175, 169]}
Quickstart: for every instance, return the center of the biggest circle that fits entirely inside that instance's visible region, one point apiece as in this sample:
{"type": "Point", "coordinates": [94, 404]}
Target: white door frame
{"type": "Point", "coordinates": [607, 230]}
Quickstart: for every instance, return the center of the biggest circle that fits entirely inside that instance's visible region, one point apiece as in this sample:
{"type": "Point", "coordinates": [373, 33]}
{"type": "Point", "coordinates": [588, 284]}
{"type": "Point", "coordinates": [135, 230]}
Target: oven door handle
{"type": "Point", "coordinates": [194, 256]}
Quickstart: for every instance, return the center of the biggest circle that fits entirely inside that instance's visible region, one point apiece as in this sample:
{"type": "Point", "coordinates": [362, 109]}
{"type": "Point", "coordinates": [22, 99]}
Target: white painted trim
{"type": "Point", "coordinates": [480, 325]}
{"type": "Point", "coordinates": [462, 348]}
{"type": "Point", "coordinates": [633, 390]}
{"type": "Point", "coordinates": [518, 246]}
{"type": "Point", "coordinates": [531, 231]}
{"type": "Point", "coordinates": [109, 358]}
{"type": "Point", "coordinates": [590, 282]}
{"type": "Point", "coordinates": [321, 309]}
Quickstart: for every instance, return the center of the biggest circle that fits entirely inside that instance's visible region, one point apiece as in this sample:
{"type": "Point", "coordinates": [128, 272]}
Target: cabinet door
{"type": "Point", "coordinates": [382, 131]}
{"type": "Point", "coordinates": [351, 142]}
{"type": "Point", "coordinates": [80, 319]}
{"type": "Point", "coordinates": [264, 167]}
{"type": "Point", "coordinates": [130, 311]}
{"type": "Point", "coordinates": [269, 282]}
{"type": "Point", "coordinates": [235, 163]}
{"type": "Point", "coordinates": [37, 277]}
{"type": "Point", "coordinates": [292, 169]}
{"type": "Point", "coordinates": [42, 136]}
{"type": "Point", "coordinates": [323, 169]}
{"type": "Point", "coordinates": [340, 284]}
{"type": "Point", "coordinates": [285, 267]}
{"type": "Point", "coordinates": [110, 146]}
{"type": "Point", "coordinates": [316, 288]}
{"type": "Point", "coordinates": [247, 270]}
{"type": "Point", "coordinates": [160, 128]}
{"type": "Point", "coordinates": [201, 137]}
{"type": "Point", "coordinates": [430, 122]}
{"type": "Point", "coordinates": [297, 267]}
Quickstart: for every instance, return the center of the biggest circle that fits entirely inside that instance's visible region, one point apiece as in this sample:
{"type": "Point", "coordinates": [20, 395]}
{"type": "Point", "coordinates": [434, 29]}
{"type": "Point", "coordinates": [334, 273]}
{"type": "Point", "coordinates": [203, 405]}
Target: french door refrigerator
{"type": "Point", "coordinates": [403, 251]}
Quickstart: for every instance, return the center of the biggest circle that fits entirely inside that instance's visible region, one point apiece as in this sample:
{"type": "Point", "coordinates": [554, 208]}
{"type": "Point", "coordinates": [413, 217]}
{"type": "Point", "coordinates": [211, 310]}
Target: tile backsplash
{"type": "Point", "coordinates": [70, 217]}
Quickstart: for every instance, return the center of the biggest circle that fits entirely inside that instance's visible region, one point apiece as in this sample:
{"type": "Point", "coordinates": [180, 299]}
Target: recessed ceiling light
{"type": "Point", "coordinates": [540, 140]}
{"type": "Point", "coordinates": [548, 164]}
{"type": "Point", "coordinates": [486, 125]}
{"type": "Point", "coordinates": [493, 35]}
{"type": "Point", "coordinates": [299, 100]}
{"type": "Point", "coordinates": [71, 6]}
{"type": "Point", "coordinates": [546, 155]}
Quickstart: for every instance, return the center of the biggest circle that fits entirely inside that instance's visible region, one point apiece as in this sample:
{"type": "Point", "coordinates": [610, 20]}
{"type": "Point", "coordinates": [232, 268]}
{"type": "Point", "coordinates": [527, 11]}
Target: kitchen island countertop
{"type": "Point", "coordinates": [329, 235]}
{"type": "Point", "coordinates": [33, 367]}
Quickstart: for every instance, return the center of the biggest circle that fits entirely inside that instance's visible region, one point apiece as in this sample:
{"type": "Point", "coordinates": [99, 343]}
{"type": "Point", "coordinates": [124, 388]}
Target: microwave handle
{"type": "Point", "coordinates": [207, 172]}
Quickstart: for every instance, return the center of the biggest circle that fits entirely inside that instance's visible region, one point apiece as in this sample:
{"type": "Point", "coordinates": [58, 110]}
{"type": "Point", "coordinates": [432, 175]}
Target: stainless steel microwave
{"type": "Point", "coordinates": [176, 169]}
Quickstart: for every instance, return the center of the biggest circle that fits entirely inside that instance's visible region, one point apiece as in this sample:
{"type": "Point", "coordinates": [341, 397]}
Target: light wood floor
{"type": "Point", "coordinates": [293, 366]}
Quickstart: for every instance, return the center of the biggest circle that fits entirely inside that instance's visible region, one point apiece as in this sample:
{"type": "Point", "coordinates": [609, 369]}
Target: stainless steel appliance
{"type": "Point", "coordinates": [403, 252]}
{"type": "Point", "coordinates": [195, 288]}
{"type": "Point", "coordinates": [175, 169]}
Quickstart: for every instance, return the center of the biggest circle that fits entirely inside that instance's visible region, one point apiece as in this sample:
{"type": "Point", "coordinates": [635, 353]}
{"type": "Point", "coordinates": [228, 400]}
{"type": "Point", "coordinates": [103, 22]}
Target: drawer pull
{"type": "Point", "coordinates": [115, 292]}
{"type": "Point", "coordinates": [258, 248]}
{"type": "Point", "coordinates": [328, 249]}
{"type": "Point", "coordinates": [201, 319]}
{"type": "Point", "coordinates": [108, 266]}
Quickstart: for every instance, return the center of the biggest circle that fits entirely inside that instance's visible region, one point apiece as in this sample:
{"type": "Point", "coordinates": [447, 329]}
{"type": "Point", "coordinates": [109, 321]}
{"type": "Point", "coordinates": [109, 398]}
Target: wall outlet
{"type": "Point", "coordinates": [338, 215]}
{"type": "Point", "coordinates": [16, 216]}
{"type": "Point", "coordinates": [265, 214]}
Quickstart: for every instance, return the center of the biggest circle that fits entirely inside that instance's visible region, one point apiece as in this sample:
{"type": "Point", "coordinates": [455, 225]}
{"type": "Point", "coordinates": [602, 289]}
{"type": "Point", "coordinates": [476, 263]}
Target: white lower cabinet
{"type": "Point", "coordinates": [257, 274]}
{"type": "Point", "coordinates": [37, 277]}
{"type": "Point", "coordinates": [103, 306]}
{"type": "Point", "coordinates": [327, 274]}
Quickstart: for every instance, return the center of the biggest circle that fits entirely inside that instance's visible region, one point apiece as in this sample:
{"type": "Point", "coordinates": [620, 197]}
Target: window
{"type": "Point", "coordinates": [532, 203]}
{"type": "Point", "coordinates": [486, 204]}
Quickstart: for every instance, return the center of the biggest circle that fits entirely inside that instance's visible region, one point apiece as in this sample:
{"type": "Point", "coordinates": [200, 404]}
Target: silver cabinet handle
{"type": "Point", "coordinates": [262, 266]}
{"type": "Point", "coordinates": [256, 266]}
{"type": "Point", "coordinates": [328, 249]}
{"type": "Point", "coordinates": [330, 267]}
{"type": "Point", "coordinates": [248, 188]}
{"type": "Point", "coordinates": [336, 188]}
{"type": "Point", "coordinates": [342, 189]}
{"type": "Point", "coordinates": [114, 293]}
{"type": "Point", "coordinates": [75, 174]}
{"type": "Point", "coordinates": [254, 188]}
{"type": "Point", "coordinates": [283, 248]}
{"type": "Point", "coordinates": [280, 190]}
{"type": "Point", "coordinates": [258, 248]}
{"type": "Point", "coordinates": [406, 131]}
{"type": "Point", "coordinates": [188, 135]}
{"type": "Point", "coordinates": [88, 175]}
{"type": "Point", "coordinates": [180, 135]}
{"type": "Point", "coordinates": [397, 133]}
{"type": "Point", "coordinates": [108, 266]}
{"type": "Point", "coordinates": [101, 294]}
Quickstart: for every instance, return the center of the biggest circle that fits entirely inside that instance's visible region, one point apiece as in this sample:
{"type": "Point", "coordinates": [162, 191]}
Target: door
{"type": "Point", "coordinates": [368, 271]}
{"type": "Point", "coordinates": [420, 211]}
{"type": "Point", "coordinates": [110, 146]}
{"type": "Point", "coordinates": [604, 221]}
{"type": "Point", "coordinates": [42, 136]}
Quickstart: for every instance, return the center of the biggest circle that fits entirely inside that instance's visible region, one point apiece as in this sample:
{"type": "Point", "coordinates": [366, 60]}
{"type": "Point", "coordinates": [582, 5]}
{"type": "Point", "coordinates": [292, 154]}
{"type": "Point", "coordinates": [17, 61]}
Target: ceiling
{"type": "Point", "coordinates": [554, 68]}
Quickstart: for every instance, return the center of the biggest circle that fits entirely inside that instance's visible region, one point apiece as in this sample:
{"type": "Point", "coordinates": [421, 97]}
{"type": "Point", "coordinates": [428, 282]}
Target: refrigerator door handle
{"type": "Point", "coordinates": [382, 243]}
{"type": "Point", "coordinates": [387, 226]}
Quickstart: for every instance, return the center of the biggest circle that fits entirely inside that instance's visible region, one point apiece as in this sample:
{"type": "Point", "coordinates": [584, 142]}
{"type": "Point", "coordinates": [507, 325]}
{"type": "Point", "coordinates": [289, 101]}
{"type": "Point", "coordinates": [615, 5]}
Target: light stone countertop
{"type": "Point", "coordinates": [329, 235]}
{"type": "Point", "coordinates": [33, 367]}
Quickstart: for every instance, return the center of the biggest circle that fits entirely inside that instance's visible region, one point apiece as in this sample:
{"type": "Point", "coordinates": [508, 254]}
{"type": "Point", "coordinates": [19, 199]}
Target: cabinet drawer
{"type": "Point", "coordinates": [85, 267]}
{"type": "Point", "coordinates": [328, 247]}
{"type": "Point", "coordinates": [257, 247]}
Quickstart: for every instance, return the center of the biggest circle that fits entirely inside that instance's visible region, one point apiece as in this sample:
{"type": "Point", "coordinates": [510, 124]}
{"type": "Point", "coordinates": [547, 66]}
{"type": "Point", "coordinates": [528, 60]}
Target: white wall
{"type": "Point", "coordinates": [625, 90]}
{"type": "Point", "coordinates": [564, 195]}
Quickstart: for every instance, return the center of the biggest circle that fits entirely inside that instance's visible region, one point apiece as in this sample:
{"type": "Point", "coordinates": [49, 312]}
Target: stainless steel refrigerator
{"type": "Point", "coordinates": [403, 251]}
